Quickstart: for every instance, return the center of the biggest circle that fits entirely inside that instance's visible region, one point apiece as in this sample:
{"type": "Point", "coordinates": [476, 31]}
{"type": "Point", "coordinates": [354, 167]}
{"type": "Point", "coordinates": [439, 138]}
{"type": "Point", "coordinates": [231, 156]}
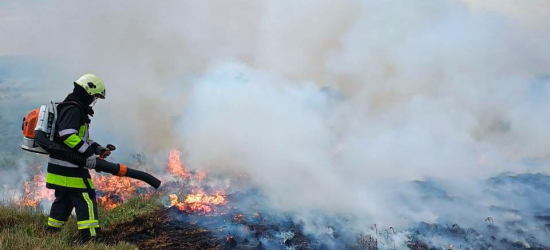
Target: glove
{"type": "Point", "coordinates": [90, 162]}
{"type": "Point", "coordinates": [103, 152]}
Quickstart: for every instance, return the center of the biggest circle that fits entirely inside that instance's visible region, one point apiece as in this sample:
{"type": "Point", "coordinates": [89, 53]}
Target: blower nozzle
{"type": "Point", "coordinates": [121, 170]}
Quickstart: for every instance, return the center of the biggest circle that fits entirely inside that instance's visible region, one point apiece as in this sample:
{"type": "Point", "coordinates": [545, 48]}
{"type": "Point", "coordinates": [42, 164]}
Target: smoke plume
{"type": "Point", "coordinates": [345, 107]}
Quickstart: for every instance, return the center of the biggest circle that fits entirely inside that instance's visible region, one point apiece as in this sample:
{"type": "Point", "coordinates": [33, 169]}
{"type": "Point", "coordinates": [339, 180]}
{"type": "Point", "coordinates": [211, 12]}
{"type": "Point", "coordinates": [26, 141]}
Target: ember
{"type": "Point", "coordinates": [239, 218]}
{"type": "Point", "coordinates": [230, 242]}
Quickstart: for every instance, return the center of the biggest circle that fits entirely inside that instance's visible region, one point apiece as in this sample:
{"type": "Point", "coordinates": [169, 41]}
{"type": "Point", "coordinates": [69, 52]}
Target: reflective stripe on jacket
{"type": "Point", "coordinates": [72, 132]}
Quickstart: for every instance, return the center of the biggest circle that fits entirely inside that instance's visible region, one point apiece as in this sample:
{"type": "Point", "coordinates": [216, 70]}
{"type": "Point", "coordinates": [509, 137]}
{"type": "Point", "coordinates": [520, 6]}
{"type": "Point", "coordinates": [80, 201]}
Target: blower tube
{"type": "Point", "coordinates": [101, 165]}
{"type": "Point", "coordinates": [122, 170]}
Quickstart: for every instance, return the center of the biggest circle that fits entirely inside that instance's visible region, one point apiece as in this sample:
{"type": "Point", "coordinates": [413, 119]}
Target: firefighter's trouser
{"type": "Point", "coordinates": [85, 206]}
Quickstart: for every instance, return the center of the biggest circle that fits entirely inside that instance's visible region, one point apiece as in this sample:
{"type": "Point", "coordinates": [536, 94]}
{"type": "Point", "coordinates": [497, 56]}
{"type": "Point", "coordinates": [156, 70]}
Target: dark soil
{"type": "Point", "coordinates": [162, 230]}
{"type": "Point", "coordinates": [171, 229]}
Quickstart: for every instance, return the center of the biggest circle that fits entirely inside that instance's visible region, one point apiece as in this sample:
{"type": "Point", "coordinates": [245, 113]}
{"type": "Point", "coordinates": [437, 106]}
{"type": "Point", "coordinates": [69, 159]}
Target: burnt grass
{"type": "Point", "coordinates": [162, 230]}
{"type": "Point", "coordinates": [174, 229]}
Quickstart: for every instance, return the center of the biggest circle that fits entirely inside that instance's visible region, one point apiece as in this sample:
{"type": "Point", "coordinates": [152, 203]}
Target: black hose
{"type": "Point", "coordinates": [143, 176]}
{"type": "Point", "coordinates": [106, 166]}
{"type": "Point", "coordinates": [121, 170]}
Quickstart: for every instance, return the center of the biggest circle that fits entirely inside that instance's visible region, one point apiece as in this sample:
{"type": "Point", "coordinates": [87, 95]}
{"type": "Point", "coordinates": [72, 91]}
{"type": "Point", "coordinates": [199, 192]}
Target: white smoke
{"type": "Point", "coordinates": [416, 90]}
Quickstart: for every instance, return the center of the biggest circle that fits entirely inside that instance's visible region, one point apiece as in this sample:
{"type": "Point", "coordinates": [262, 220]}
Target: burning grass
{"type": "Point", "coordinates": [198, 202]}
{"type": "Point", "coordinates": [120, 200]}
{"type": "Point", "coordinates": [113, 190]}
{"type": "Point", "coordinates": [35, 190]}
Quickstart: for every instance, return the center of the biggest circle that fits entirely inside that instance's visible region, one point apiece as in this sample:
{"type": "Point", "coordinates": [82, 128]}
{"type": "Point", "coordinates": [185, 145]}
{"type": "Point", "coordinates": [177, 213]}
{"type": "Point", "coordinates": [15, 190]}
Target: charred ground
{"type": "Point", "coordinates": [174, 229]}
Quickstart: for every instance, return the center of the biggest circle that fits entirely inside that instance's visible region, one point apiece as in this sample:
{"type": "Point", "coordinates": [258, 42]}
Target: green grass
{"type": "Point", "coordinates": [128, 211]}
{"type": "Point", "coordinates": [25, 228]}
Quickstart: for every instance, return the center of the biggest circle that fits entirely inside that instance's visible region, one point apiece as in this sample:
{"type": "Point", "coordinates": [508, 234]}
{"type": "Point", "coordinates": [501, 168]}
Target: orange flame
{"type": "Point", "coordinates": [116, 190]}
{"type": "Point", "coordinates": [198, 202]}
{"type": "Point", "coordinates": [175, 166]}
{"type": "Point", "coordinates": [35, 190]}
{"type": "Point", "coordinates": [200, 175]}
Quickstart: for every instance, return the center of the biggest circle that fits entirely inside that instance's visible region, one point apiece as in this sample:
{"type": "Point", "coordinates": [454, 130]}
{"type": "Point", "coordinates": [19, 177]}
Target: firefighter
{"type": "Point", "coordinates": [72, 183]}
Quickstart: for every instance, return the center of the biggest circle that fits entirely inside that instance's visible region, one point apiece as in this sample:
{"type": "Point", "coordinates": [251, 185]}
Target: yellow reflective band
{"type": "Point", "coordinates": [90, 225]}
{"type": "Point", "coordinates": [64, 181]}
{"type": "Point", "coordinates": [55, 223]}
{"type": "Point", "coordinates": [87, 222]}
{"type": "Point", "coordinates": [82, 131]}
{"type": "Point", "coordinates": [72, 141]}
{"type": "Point", "coordinates": [91, 215]}
{"type": "Point", "coordinates": [54, 220]}
{"type": "Point", "coordinates": [90, 206]}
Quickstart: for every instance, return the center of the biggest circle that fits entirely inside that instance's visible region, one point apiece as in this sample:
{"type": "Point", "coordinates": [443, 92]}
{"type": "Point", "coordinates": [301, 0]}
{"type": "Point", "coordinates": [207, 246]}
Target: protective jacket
{"type": "Point", "coordinates": [73, 133]}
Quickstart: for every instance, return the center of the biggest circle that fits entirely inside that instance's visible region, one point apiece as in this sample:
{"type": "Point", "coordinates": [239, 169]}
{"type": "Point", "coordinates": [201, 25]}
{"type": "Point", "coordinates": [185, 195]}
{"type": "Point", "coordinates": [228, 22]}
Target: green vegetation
{"type": "Point", "coordinates": [25, 228]}
{"type": "Point", "coordinates": [128, 211]}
